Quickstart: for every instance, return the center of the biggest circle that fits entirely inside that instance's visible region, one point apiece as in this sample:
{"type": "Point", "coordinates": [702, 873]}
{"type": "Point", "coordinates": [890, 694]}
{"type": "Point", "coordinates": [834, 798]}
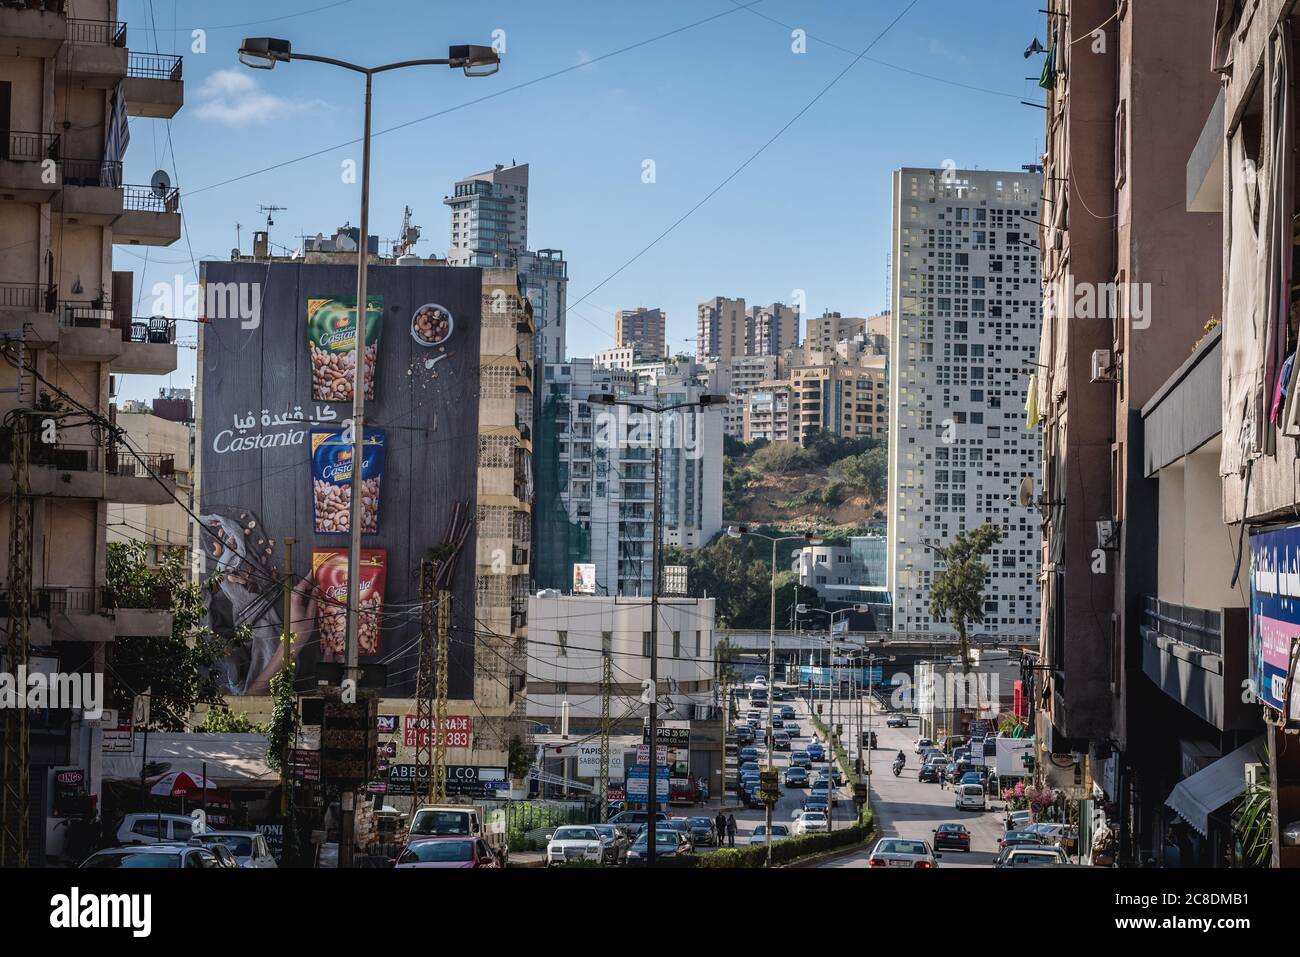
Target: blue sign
{"type": "Point", "coordinates": [638, 782]}
{"type": "Point", "coordinates": [1274, 614]}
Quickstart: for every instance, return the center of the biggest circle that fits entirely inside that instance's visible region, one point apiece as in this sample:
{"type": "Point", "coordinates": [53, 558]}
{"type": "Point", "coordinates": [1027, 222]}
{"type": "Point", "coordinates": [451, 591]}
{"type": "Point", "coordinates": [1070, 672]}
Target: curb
{"type": "Point", "coordinates": [814, 859]}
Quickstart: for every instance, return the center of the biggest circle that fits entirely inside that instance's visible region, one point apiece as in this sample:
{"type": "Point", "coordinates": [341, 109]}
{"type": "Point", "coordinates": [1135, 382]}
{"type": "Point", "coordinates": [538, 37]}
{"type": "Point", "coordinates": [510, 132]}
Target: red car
{"type": "Point", "coordinates": [447, 852]}
{"type": "Point", "coordinates": [952, 835]}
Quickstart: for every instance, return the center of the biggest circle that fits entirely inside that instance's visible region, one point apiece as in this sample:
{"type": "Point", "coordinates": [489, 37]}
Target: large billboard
{"type": "Point", "coordinates": [1274, 614]}
{"type": "Point", "coordinates": [275, 405]}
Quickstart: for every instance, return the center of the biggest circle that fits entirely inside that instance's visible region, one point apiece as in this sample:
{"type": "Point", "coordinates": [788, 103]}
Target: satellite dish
{"type": "Point", "coordinates": [1026, 493]}
{"type": "Point", "coordinates": [161, 183]}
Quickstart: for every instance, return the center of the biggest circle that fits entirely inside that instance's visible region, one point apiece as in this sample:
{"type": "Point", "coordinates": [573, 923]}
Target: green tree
{"type": "Point", "coordinates": [783, 458]}
{"type": "Point", "coordinates": [958, 590]}
{"type": "Point", "coordinates": [225, 721]}
{"type": "Point", "coordinates": [179, 669]}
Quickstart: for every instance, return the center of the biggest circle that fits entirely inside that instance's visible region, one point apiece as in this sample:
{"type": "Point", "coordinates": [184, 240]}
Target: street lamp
{"type": "Point", "coordinates": [736, 531]}
{"type": "Point", "coordinates": [652, 796]}
{"type": "Point", "coordinates": [263, 53]}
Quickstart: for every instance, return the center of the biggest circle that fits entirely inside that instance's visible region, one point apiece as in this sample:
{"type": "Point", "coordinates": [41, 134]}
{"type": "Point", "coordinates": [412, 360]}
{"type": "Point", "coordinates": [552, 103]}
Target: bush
{"type": "Point", "coordinates": [782, 458]}
{"type": "Point", "coordinates": [790, 849]}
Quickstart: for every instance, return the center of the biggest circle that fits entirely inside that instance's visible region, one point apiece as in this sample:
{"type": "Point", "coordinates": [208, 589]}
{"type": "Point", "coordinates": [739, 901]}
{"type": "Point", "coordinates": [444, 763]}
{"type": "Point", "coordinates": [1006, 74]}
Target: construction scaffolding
{"type": "Point", "coordinates": [15, 814]}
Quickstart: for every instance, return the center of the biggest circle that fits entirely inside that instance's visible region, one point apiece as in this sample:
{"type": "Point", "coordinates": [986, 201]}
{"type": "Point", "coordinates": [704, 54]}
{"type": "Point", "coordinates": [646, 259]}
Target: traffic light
{"type": "Point", "coordinates": [859, 794]}
{"type": "Point", "coordinates": [769, 788]}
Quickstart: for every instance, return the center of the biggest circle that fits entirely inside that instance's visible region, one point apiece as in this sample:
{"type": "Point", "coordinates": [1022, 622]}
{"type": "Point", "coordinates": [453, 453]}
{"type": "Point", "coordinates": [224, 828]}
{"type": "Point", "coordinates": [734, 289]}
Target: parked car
{"type": "Point", "coordinates": [780, 741]}
{"type": "Point", "coordinates": [952, 835]}
{"type": "Point", "coordinates": [922, 744]}
{"type": "Point", "coordinates": [800, 759]}
{"type": "Point", "coordinates": [615, 843]}
{"type": "Point", "coordinates": [796, 777]}
{"type": "Point", "coordinates": [668, 843]}
{"type": "Point", "coordinates": [702, 831]}
{"type": "Point", "coordinates": [896, 721]}
{"type": "Point", "coordinates": [160, 854]}
{"type": "Point", "coordinates": [930, 773]}
{"type": "Point", "coordinates": [1018, 820]}
{"type": "Point", "coordinates": [248, 848]}
{"type": "Point", "coordinates": [682, 825]}
{"type": "Point", "coordinates": [1020, 839]}
{"type": "Point", "coordinates": [143, 828]}
{"type": "Point", "coordinates": [630, 821]}
{"type": "Point", "coordinates": [899, 852]}
{"type": "Point", "coordinates": [1032, 857]}
{"type": "Point", "coordinates": [816, 752]}
{"type": "Point", "coordinates": [759, 834]}
{"type": "Point", "coordinates": [969, 797]}
{"type": "Point", "coordinates": [811, 822]}
{"type": "Point", "coordinates": [574, 842]}
{"type": "Point", "coordinates": [972, 777]}
{"type": "Point", "coordinates": [449, 853]}
{"type": "Point", "coordinates": [1053, 833]}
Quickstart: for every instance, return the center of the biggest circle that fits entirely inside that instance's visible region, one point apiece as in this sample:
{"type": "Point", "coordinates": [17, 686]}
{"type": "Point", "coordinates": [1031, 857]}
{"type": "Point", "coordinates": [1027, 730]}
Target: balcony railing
{"type": "Point", "coordinates": [84, 314]}
{"type": "Point", "coordinates": [31, 296]}
{"type": "Point", "coordinates": [24, 147]}
{"type": "Point", "coordinates": [140, 464]}
{"type": "Point", "coordinates": [91, 172]}
{"type": "Point", "coordinates": [59, 600]}
{"type": "Point", "coordinates": [146, 199]}
{"type": "Point", "coordinates": [1198, 627]}
{"type": "Point", "coordinates": [99, 32]}
{"type": "Point", "coordinates": [154, 66]}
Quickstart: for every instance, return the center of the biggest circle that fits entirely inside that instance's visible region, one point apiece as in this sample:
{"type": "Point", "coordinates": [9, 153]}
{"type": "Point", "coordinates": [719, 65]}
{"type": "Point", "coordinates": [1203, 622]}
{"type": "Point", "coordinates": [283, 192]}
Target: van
{"type": "Point", "coordinates": [145, 828]}
{"type": "Point", "coordinates": [970, 797]}
{"type": "Point", "coordinates": [461, 820]}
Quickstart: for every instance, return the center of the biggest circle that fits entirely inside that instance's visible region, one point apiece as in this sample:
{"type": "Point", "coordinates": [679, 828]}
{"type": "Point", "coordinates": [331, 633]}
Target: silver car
{"type": "Point", "coordinates": [1025, 856]}
{"type": "Point", "coordinates": [248, 847]}
{"type": "Point", "coordinates": [902, 852]}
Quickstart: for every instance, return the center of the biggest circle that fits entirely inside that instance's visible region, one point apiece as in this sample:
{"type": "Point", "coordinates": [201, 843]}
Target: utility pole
{"type": "Point", "coordinates": [652, 786]}
{"type": "Point", "coordinates": [424, 693]}
{"type": "Point", "coordinates": [286, 584]}
{"type": "Point", "coordinates": [606, 684]}
{"type": "Point", "coordinates": [17, 759]}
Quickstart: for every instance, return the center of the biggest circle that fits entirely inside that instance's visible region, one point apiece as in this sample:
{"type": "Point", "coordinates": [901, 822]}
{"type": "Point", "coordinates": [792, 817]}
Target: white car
{"type": "Point", "coordinates": [901, 852]}
{"type": "Point", "coordinates": [970, 797]}
{"type": "Point", "coordinates": [809, 822]}
{"type": "Point", "coordinates": [1026, 856]}
{"type": "Point", "coordinates": [574, 842]}
{"type": "Point", "coordinates": [142, 828]}
{"type": "Point", "coordinates": [922, 744]}
{"type": "Point", "coordinates": [759, 835]}
{"type": "Point", "coordinates": [1019, 820]}
{"type": "Point", "coordinates": [247, 847]}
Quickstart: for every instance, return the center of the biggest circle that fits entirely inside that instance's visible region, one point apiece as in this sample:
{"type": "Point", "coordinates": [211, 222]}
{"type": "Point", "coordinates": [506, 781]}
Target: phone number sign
{"type": "Point", "coordinates": [455, 731]}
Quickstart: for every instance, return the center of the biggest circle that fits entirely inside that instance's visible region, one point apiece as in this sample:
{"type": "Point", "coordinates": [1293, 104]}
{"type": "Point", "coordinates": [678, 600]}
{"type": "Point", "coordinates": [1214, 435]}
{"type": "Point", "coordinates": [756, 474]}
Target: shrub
{"type": "Point", "coordinates": [790, 849]}
{"type": "Point", "coordinates": [783, 457]}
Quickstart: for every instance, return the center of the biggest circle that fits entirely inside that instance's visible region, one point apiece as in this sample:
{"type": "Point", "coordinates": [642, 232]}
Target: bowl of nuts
{"type": "Point", "coordinates": [431, 325]}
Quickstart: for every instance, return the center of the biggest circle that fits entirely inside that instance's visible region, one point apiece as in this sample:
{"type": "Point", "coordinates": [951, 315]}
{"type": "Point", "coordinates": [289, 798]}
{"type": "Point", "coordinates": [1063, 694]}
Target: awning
{"type": "Point", "coordinates": [1195, 798]}
{"type": "Point", "coordinates": [235, 760]}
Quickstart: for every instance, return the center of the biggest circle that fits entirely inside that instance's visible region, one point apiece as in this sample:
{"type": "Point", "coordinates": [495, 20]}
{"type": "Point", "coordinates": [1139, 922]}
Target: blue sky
{"type": "Point", "coordinates": [810, 212]}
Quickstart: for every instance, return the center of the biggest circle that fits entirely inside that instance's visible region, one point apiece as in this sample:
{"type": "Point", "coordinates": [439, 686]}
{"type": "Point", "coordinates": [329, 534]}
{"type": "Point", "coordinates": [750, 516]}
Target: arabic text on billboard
{"type": "Point", "coordinates": [1274, 613]}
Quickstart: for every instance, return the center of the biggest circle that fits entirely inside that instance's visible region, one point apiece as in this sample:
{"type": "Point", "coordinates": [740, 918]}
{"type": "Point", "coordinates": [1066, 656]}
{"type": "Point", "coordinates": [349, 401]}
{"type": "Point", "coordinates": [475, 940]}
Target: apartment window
{"type": "Point", "coordinates": [645, 644]}
{"type": "Point", "coordinates": [562, 638]}
{"type": "Point", "coordinates": [677, 644]}
{"type": "Point", "coordinates": [698, 646]}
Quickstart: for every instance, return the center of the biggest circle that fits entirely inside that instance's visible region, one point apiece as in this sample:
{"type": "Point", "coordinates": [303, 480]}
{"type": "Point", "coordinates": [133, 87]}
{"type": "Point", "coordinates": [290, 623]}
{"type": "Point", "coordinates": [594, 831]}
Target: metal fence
{"type": "Point", "coordinates": [1199, 627]}
{"type": "Point", "coordinates": [154, 66]}
{"type": "Point", "coordinates": [146, 199]}
{"type": "Point", "coordinates": [101, 32]}
{"type": "Point", "coordinates": [26, 147]}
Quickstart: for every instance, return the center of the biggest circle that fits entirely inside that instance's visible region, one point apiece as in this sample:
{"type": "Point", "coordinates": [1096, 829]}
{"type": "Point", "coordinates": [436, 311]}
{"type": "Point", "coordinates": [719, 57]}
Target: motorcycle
{"type": "Point", "coordinates": [898, 769]}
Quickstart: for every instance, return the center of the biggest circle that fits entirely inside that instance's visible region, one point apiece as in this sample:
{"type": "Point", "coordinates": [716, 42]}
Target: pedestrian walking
{"type": "Point", "coordinates": [731, 830]}
{"type": "Point", "coordinates": [720, 825]}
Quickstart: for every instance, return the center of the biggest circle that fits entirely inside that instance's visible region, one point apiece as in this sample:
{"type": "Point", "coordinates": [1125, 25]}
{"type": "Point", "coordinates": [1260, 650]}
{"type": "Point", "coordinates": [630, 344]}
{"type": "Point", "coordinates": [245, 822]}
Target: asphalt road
{"type": "Point", "coordinates": [907, 808]}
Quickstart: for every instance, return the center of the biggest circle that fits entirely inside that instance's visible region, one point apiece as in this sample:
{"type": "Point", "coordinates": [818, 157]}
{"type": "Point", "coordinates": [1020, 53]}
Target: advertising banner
{"type": "Point", "coordinates": [638, 783]}
{"type": "Point", "coordinates": [273, 413]}
{"type": "Point", "coordinates": [457, 731]}
{"type": "Point", "coordinates": [584, 578]}
{"type": "Point", "coordinates": [589, 761]}
{"type": "Point", "coordinates": [405, 780]}
{"type": "Point", "coordinates": [1275, 615]}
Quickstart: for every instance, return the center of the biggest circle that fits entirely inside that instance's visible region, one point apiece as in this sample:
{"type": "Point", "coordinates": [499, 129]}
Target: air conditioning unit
{"type": "Point", "coordinates": [1103, 365]}
{"type": "Point", "coordinates": [1108, 534]}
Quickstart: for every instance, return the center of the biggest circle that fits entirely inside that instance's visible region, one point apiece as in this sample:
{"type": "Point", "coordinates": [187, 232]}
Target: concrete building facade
{"type": "Point", "coordinates": [643, 328]}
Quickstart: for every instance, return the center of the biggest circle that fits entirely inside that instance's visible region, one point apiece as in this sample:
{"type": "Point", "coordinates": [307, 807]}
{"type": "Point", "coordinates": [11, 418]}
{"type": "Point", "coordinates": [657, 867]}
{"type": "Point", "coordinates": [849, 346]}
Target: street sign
{"type": "Point", "coordinates": [671, 737]}
{"type": "Point", "coordinates": [304, 765]}
{"type": "Point", "coordinates": [470, 780]}
{"type": "Point", "coordinates": [387, 724]}
{"type": "Point", "coordinates": [638, 782]}
{"type": "Point", "coordinates": [457, 731]}
{"type": "Point", "coordinates": [589, 761]}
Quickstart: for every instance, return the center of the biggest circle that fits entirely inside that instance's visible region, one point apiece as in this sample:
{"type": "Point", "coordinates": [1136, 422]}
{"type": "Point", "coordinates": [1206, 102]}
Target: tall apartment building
{"type": "Point", "coordinates": [845, 399]}
{"type": "Point", "coordinates": [830, 327]}
{"type": "Point", "coordinates": [721, 328]}
{"type": "Point", "coordinates": [772, 329]}
{"type": "Point", "coordinates": [595, 480]}
{"type": "Point", "coordinates": [965, 327]}
{"type": "Point", "coordinates": [766, 412]}
{"type": "Point", "coordinates": [545, 278]}
{"type": "Point", "coordinates": [69, 85]}
{"type": "Point", "coordinates": [644, 328]}
{"type": "Point", "coordinates": [489, 217]}
{"type": "Point", "coordinates": [736, 377]}
{"type": "Point", "coordinates": [620, 357]}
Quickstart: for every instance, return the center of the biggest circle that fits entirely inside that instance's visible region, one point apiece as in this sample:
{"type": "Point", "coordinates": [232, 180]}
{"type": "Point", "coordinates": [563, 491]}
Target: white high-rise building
{"type": "Point", "coordinates": [966, 312]}
{"type": "Point", "coordinates": [489, 217]}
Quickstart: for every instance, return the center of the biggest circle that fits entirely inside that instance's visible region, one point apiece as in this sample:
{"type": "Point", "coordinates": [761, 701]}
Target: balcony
{"type": "Point", "coordinates": [32, 28]}
{"type": "Point", "coordinates": [1197, 656]}
{"type": "Point", "coordinates": [85, 330]}
{"type": "Point", "coordinates": [94, 53]}
{"type": "Point", "coordinates": [149, 217]}
{"type": "Point", "coordinates": [27, 310]}
{"type": "Point", "coordinates": [23, 176]}
{"type": "Point", "coordinates": [153, 86]}
{"type": "Point", "coordinates": [92, 614]}
{"type": "Point", "coordinates": [72, 470]}
{"type": "Point", "coordinates": [148, 347]}
{"type": "Point", "coordinates": [91, 194]}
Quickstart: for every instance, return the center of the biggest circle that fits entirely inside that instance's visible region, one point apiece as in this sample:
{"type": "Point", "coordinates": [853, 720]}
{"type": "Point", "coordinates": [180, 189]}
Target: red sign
{"type": "Point", "coordinates": [456, 731]}
{"type": "Point", "coordinates": [1018, 700]}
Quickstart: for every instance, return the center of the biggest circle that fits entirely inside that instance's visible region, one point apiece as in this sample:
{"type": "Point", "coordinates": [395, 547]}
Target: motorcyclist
{"type": "Point", "coordinates": [900, 759]}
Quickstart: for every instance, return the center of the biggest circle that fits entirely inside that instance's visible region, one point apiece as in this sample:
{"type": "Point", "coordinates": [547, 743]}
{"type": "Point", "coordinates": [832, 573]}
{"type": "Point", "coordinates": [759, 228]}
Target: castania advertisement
{"type": "Point", "coordinates": [1275, 615]}
{"type": "Point", "coordinates": [276, 460]}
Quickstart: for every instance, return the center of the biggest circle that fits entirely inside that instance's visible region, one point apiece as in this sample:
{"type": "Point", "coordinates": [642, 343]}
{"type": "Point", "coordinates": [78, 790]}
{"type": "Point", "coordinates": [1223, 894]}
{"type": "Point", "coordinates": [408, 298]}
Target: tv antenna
{"type": "Point", "coordinates": [270, 212]}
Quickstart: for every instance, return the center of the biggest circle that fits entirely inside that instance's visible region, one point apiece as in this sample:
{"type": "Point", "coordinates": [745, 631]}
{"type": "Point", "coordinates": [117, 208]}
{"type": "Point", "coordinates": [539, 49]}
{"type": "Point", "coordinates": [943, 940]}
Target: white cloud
{"type": "Point", "coordinates": [233, 98]}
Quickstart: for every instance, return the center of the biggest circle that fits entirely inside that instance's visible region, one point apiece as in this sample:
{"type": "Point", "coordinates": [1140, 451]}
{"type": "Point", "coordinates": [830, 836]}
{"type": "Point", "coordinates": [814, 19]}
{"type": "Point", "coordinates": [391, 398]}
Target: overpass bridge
{"type": "Point", "coordinates": [793, 646]}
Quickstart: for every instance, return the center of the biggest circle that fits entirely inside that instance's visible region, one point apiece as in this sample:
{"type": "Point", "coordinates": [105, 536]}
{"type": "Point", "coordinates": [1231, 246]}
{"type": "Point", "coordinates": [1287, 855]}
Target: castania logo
{"type": "Point", "coordinates": [75, 910]}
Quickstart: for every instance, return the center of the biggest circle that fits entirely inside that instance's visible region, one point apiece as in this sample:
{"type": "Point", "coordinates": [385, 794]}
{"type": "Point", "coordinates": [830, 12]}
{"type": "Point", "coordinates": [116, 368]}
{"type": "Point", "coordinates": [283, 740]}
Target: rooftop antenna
{"type": "Point", "coordinates": [410, 235]}
{"type": "Point", "coordinates": [270, 211]}
{"type": "Point", "coordinates": [238, 228]}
